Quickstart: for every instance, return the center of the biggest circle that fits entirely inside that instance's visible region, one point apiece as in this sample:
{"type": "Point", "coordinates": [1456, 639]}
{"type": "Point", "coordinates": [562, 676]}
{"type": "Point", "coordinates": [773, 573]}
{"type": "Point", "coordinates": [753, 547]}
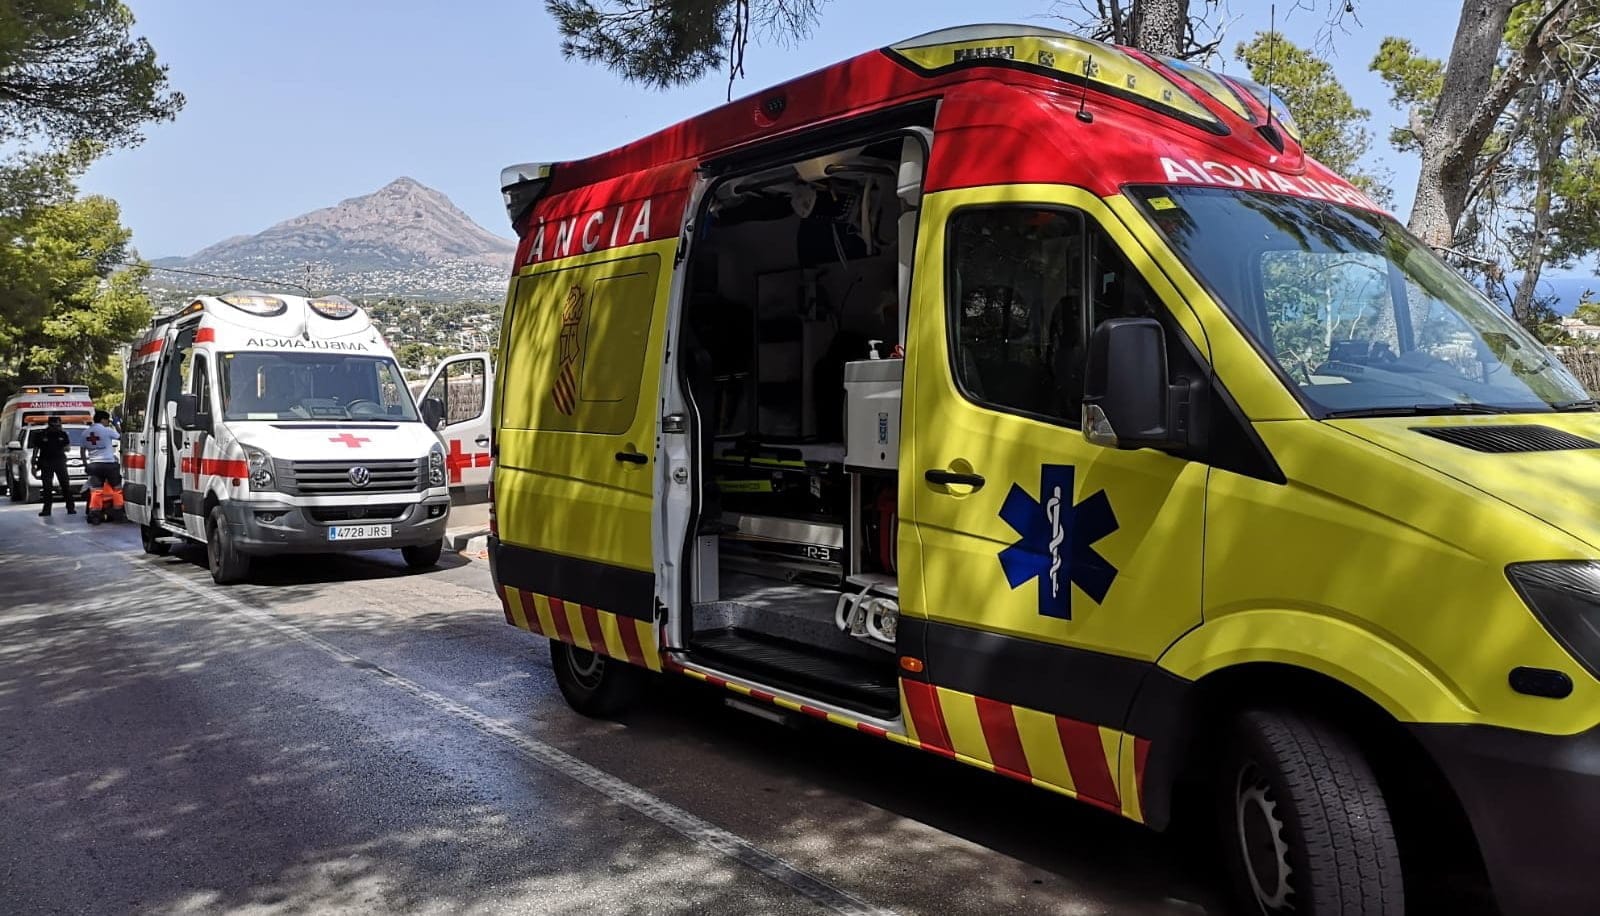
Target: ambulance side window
{"type": "Point", "coordinates": [464, 380]}
{"type": "Point", "coordinates": [202, 384]}
{"type": "Point", "coordinates": [133, 409]}
{"type": "Point", "coordinates": [1016, 309]}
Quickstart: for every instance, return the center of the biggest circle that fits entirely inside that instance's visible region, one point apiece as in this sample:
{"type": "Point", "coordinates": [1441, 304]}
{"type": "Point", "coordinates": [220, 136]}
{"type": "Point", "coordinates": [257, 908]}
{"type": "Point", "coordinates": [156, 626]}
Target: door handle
{"type": "Point", "coordinates": [942, 476]}
{"type": "Point", "coordinates": [482, 441]}
{"type": "Point", "coordinates": [633, 457]}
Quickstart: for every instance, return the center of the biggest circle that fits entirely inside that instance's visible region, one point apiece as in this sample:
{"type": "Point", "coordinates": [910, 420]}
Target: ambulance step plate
{"type": "Point", "coordinates": [870, 686]}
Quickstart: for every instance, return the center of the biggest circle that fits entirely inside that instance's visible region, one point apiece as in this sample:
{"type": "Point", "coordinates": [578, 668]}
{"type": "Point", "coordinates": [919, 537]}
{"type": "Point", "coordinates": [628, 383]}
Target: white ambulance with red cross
{"type": "Point", "coordinates": [265, 424]}
{"type": "Point", "coordinates": [455, 402]}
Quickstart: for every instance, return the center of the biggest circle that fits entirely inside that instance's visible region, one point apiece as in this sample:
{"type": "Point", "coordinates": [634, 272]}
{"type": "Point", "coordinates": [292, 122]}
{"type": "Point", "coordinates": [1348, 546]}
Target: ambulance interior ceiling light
{"type": "Point", "coordinates": [333, 306]}
{"type": "Point", "coordinates": [258, 304]}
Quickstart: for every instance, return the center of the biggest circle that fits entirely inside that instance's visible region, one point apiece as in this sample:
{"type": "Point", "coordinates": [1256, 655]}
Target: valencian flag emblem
{"type": "Point", "coordinates": [565, 392]}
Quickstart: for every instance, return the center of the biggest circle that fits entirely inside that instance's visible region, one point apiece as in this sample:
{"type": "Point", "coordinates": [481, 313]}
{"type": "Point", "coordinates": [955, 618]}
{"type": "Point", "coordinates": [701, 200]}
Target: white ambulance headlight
{"type": "Point", "coordinates": [436, 467]}
{"type": "Point", "coordinates": [259, 304]}
{"type": "Point", "coordinates": [257, 458]}
{"type": "Point", "coordinates": [333, 306]}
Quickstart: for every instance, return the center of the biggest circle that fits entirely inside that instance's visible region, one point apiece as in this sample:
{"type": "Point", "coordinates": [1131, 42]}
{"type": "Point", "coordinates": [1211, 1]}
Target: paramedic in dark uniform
{"type": "Point", "coordinates": [52, 453]}
{"type": "Point", "coordinates": [98, 455]}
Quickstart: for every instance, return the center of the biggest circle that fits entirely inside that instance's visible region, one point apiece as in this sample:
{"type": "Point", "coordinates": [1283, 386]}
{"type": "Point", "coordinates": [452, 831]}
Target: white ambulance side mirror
{"type": "Point", "coordinates": [15, 445]}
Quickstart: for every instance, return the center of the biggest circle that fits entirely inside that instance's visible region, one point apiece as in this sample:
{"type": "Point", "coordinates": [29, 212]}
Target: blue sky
{"type": "Point", "coordinates": [295, 105]}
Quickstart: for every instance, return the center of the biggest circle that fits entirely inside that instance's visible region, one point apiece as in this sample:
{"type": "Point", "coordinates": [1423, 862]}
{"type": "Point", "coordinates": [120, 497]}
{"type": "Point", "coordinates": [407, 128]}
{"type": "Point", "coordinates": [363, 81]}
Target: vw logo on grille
{"type": "Point", "coordinates": [360, 476]}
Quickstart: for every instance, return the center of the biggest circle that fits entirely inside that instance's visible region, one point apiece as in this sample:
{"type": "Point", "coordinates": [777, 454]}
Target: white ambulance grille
{"type": "Point", "coordinates": [322, 478]}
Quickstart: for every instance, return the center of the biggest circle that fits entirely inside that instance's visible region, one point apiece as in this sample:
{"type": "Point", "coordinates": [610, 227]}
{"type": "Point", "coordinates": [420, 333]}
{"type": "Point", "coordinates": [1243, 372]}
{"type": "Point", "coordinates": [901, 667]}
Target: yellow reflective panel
{"type": "Point", "coordinates": [1213, 85]}
{"type": "Point", "coordinates": [1075, 59]}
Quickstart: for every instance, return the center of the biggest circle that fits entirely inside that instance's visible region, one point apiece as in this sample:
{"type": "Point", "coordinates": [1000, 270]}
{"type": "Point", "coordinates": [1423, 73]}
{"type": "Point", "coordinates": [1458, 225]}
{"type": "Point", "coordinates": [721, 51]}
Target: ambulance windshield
{"type": "Point", "coordinates": [312, 386]}
{"type": "Point", "coordinates": [1360, 316]}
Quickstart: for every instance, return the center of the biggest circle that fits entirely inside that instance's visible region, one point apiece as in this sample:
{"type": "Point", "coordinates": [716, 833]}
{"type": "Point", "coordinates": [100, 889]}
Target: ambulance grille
{"type": "Point", "coordinates": [1506, 439]}
{"type": "Point", "coordinates": [330, 478]}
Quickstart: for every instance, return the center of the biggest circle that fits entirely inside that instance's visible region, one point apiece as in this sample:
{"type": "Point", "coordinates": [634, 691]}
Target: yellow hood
{"type": "Point", "coordinates": [1530, 461]}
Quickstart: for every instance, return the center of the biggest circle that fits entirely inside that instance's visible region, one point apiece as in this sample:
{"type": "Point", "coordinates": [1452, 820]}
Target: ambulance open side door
{"type": "Point", "coordinates": [166, 443]}
{"type": "Point", "coordinates": [455, 402]}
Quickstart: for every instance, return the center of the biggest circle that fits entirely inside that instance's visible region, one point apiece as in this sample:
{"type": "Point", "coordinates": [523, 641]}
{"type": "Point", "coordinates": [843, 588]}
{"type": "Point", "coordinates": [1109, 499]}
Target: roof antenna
{"type": "Point", "coordinates": [1267, 131]}
{"type": "Point", "coordinates": [1084, 114]}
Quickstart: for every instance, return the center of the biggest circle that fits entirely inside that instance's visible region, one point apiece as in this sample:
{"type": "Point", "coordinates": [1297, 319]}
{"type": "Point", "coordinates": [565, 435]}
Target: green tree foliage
{"type": "Point", "coordinates": [66, 305]}
{"type": "Point", "coordinates": [1333, 128]}
{"type": "Point", "coordinates": [71, 70]}
{"type": "Point", "coordinates": [665, 43]}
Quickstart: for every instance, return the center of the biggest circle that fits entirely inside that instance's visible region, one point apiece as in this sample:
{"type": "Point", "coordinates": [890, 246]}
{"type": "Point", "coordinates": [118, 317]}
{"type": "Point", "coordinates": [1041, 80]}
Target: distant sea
{"type": "Point", "coordinates": [1568, 291]}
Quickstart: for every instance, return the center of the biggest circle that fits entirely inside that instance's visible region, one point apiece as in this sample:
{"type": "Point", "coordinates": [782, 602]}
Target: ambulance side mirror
{"type": "Point", "coordinates": [15, 445]}
{"type": "Point", "coordinates": [1128, 398]}
{"type": "Point", "coordinates": [433, 413]}
{"type": "Point", "coordinates": [189, 416]}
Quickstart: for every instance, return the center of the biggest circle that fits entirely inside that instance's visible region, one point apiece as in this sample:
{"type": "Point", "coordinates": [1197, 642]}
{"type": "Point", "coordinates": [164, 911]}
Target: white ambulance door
{"type": "Point", "coordinates": [138, 425]}
{"type": "Point", "coordinates": [457, 395]}
{"type": "Point", "coordinates": [169, 444]}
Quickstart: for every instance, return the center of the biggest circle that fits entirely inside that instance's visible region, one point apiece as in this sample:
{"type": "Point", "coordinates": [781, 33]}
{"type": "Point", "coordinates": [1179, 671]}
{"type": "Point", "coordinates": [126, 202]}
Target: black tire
{"type": "Point", "coordinates": [593, 684]}
{"type": "Point", "coordinates": [228, 565]}
{"type": "Point", "coordinates": [153, 545]}
{"type": "Point", "coordinates": [1305, 828]}
{"type": "Point", "coordinates": [423, 556]}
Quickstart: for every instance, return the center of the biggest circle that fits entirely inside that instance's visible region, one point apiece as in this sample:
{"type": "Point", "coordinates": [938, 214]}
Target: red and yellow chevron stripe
{"type": "Point", "coordinates": [1101, 766]}
{"type": "Point", "coordinates": [624, 638]}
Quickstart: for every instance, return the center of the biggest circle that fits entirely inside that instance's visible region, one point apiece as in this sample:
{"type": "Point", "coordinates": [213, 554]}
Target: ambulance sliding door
{"type": "Point", "coordinates": [576, 430]}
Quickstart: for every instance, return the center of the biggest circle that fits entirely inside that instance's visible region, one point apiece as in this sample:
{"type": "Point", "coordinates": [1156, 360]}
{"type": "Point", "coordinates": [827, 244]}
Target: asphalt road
{"type": "Point", "coordinates": [345, 736]}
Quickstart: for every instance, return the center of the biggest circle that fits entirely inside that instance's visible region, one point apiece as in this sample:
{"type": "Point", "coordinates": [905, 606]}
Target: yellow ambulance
{"type": "Point", "coordinates": [1040, 404]}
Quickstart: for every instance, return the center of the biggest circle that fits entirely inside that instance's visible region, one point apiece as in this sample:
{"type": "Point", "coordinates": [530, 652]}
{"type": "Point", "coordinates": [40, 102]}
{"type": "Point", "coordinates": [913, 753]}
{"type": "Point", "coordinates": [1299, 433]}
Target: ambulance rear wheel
{"type": "Point", "coordinates": [593, 684]}
{"type": "Point", "coordinates": [423, 556]}
{"type": "Point", "coordinates": [152, 544]}
{"type": "Point", "coordinates": [228, 565]}
{"type": "Point", "coordinates": [1304, 826]}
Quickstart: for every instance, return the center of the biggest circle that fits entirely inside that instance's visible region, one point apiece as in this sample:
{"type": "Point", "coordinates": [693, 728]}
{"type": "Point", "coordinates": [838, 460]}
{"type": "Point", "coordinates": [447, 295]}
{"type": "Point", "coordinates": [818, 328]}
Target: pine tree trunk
{"type": "Point", "coordinates": [1460, 125]}
{"type": "Point", "coordinates": [1157, 25]}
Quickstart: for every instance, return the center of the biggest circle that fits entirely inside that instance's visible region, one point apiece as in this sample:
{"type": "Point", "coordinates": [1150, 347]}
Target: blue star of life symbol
{"type": "Point", "coordinates": [1056, 540]}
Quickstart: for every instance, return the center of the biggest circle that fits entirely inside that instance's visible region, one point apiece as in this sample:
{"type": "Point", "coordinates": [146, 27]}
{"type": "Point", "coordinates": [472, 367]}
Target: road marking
{"type": "Point", "coordinates": [697, 830]}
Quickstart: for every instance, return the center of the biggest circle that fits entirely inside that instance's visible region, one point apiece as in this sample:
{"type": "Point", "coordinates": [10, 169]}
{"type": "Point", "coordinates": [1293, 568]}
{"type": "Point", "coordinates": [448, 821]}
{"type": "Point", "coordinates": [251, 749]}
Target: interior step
{"type": "Point", "coordinates": [868, 685]}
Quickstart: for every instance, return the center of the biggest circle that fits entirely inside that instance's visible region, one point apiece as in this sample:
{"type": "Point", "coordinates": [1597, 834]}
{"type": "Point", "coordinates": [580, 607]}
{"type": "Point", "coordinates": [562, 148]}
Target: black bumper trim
{"type": "Point", "coordinates": [1534, 803]}
{"type": "Point", "coordinates": [617, 589]}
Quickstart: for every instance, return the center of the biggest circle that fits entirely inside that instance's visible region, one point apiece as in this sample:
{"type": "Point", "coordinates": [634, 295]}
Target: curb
{"type": "Point", "coordinates": [473, 539]}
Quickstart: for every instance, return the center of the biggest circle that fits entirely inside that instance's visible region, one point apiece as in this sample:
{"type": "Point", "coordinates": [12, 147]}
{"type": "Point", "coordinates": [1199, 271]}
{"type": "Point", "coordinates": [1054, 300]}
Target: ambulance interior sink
{"type": "Point", "coordinates": [792, 336]}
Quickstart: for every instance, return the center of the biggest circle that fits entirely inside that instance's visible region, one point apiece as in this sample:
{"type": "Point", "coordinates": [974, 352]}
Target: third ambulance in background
{"type": "Point", "coordinates": [22, 421]}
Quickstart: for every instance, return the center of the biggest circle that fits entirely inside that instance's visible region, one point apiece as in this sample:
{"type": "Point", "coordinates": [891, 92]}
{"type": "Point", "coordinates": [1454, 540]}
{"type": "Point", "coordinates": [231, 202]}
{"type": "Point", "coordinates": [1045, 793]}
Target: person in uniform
{"type": "Point", "coordinates": [99, 456]}
{"type": "Point", "coordinates": [52, 454]}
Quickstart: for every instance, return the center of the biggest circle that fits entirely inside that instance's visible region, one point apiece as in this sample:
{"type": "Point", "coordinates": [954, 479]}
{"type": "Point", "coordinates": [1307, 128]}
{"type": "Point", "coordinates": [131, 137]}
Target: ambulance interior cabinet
{"type": "Point", "coordinates": [872, 414]}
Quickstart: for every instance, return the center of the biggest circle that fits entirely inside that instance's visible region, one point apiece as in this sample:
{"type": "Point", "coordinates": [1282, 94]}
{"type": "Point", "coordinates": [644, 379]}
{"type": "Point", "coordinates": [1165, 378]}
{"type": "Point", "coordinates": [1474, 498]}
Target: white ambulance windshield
{"type": "Point", "coordinates": [75, 433]}
{"type": "Point", "coordinates": [312, 386]}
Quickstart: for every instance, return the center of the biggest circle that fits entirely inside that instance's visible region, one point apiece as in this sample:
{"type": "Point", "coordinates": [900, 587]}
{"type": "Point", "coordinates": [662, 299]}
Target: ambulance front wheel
{"type": "Point", "coordinates": [228, 565]}
{"type": "Point", "coordinates": [593, 684]}
{"type": "Point", "coordinates": [1304, 826]}
{"type": "Point", "coordinates": [423, 556]}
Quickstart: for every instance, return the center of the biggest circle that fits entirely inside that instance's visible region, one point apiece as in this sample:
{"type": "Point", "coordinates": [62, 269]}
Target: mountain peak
{"type": "Point", "coordinates": [402, 230]}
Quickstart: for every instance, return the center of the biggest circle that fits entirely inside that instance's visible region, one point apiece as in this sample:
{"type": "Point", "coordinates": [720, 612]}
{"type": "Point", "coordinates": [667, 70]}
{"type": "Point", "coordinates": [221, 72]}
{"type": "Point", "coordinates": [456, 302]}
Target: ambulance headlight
{"type": "Point", "coordinates": [260, 469]}
{"type": "Point", "coordinates": [1566, 599]}
{"type": "Point", "coordinates": [436, 467]}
